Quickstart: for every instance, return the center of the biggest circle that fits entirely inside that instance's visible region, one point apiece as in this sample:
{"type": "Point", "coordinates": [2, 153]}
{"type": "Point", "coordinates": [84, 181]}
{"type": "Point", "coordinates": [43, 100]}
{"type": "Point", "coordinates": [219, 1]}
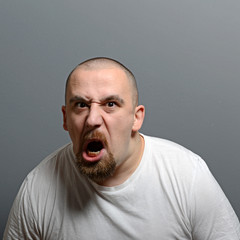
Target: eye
{"type": "Point", "coordinates": [111, 104]}
{"type": "Point", "coordinates": [81, 105]}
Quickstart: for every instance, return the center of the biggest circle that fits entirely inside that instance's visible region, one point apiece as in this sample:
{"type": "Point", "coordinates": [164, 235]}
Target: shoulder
{"type": "Point", "coordinates": [170, 153]}
{"type": "Point", "coordinates": [173, 163]}
{"type": "Point", "coordinates": [62, 156]}
{"type": "Point", "coordinates": [40, 185]}
{"type": "Point", "coordinates": [46, 176]}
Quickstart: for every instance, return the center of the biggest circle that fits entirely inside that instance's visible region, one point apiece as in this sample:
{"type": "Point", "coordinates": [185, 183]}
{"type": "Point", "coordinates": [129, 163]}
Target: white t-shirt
{"type": "Point", "coordinates": [171, 195]}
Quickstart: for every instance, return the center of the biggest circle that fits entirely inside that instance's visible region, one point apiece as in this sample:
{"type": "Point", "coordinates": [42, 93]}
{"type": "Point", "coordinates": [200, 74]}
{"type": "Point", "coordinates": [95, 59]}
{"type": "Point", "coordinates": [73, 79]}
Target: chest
{"type": "Point", "coordinates": [134, 214]}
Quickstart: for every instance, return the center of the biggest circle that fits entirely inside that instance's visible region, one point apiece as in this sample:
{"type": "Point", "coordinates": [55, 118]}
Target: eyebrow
{"type": "Point", "coordinates": [113, 98]}
{"type": "Point", "coordinates": [105, 99]}
{"type": "Point", "coordinates": [77, 99]}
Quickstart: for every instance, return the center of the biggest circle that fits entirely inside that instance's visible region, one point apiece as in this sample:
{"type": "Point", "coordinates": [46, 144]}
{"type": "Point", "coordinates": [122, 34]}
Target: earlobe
{"type": "Point", "coordinates": [138, 118]}
{"type": "Point", "coordinates": [64, 118]}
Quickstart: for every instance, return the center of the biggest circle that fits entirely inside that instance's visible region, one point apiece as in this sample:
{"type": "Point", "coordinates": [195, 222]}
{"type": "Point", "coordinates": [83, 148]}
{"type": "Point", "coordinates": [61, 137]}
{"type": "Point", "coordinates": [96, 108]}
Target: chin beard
{"type": "Point", "coordinates": [97, 171]}
{"type": "Point", "coordinates": [100, 170]}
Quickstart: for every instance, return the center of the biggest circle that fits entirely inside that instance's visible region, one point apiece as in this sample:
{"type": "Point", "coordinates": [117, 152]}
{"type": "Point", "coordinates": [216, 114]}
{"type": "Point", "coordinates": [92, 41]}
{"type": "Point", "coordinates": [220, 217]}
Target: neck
{"type": "Point", "coordinates": [127, 168]}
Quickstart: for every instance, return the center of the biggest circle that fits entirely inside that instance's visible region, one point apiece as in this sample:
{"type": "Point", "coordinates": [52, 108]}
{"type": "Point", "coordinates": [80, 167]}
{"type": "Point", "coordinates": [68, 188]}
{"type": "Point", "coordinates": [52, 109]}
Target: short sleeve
{"type": "Point", "coordinates": [21, 223]}
{"type": "Point", "coordinates": [212, 216]}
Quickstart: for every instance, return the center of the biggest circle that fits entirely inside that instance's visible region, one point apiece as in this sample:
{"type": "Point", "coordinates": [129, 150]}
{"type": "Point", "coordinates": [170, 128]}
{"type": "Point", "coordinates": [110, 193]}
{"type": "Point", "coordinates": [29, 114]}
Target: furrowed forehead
{"type": "Point", "coordinates": [101, 63]}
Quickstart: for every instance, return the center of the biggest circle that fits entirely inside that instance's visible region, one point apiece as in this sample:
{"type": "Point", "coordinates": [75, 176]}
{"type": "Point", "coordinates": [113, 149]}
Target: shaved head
{"type": "Point", "coordinates": [102, 63]}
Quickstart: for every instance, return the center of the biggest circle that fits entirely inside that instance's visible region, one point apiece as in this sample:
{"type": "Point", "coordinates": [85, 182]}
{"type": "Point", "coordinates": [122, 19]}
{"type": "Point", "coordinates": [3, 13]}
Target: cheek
{"type": "Point", "coordinates": [125, 123]}
{"type": "Point", "coordinates": [75, 127]}
{"type": "Point", "coordinates": [75, 131]}
{"type": "Point", "coordinates": [122, 129]}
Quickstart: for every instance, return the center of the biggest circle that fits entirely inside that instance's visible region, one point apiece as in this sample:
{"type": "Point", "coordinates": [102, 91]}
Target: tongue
{"type": "Point", "coordinates": [92, 154]}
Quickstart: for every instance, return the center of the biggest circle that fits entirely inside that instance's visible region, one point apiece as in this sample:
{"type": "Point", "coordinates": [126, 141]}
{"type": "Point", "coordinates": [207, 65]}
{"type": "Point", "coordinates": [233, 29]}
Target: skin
{"type": "Point", "coordinates": [101, 100]}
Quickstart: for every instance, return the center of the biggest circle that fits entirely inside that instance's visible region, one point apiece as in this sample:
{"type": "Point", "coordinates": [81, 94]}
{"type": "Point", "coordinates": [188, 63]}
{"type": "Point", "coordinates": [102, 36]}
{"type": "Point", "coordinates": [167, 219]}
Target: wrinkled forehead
{"type": "Point", "coordinates": [109, 80]}
{"type": "Point", "coordinates": [111, 74]}
{"type": "Point", "coordinates": [100, 64]}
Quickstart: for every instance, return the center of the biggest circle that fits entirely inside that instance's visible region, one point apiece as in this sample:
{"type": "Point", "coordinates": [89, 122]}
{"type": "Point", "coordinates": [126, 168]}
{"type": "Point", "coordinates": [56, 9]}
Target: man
{"type": "Point", "coordinates": [112, 182]}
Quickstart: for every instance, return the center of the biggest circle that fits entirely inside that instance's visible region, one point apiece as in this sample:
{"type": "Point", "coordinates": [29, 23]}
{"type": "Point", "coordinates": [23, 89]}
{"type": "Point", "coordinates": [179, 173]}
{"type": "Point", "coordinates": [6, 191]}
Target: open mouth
{"type": "Point", "coordinates": [94, 148]}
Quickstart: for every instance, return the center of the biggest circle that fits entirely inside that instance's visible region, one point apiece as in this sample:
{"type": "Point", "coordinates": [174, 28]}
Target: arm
{"type": "Point", "coordinates": [212, 216]}
{"type": "Point", "coordinates": [21, 223]}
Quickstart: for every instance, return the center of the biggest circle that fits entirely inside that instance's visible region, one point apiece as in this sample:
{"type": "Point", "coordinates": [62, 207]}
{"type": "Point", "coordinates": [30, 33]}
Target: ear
{"type": "Point", "coordinates": [138, 118]}
{"type": "Point", "coordinates": [64, 118]}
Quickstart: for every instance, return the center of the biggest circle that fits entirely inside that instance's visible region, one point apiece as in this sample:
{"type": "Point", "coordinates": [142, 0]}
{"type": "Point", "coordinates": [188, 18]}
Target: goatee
{"type": "Point", "coordinates": [97, 171]}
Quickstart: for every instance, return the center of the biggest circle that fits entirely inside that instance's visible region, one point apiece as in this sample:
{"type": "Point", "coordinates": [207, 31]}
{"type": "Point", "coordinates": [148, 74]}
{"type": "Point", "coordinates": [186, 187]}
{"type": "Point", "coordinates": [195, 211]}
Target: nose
{"type": "Point", "coordinates": [94, 118]}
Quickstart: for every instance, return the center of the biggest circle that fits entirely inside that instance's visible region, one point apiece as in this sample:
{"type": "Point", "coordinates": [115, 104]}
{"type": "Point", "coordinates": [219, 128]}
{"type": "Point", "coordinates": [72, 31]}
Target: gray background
{"type": "Point", "coordinates": [185, 55]}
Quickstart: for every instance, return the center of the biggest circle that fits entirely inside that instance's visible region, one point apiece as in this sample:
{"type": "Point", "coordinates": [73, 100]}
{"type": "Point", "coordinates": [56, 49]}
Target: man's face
{"type": "Point", "coordinates": [99, 116]}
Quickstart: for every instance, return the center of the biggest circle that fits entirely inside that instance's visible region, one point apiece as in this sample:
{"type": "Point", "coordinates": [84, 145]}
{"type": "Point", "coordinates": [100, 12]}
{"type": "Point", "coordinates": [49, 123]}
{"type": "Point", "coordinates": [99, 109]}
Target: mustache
{"type": "Point", "coordinates": [96, 135]}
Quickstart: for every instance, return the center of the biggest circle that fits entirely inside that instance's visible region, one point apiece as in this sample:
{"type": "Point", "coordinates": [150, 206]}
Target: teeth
{"type": "Point", "coordinates": [92, 154]}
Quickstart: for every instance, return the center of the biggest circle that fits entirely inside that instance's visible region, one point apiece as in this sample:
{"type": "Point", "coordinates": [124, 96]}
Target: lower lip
{"type": "Point", "coordinates": [96, 158]}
